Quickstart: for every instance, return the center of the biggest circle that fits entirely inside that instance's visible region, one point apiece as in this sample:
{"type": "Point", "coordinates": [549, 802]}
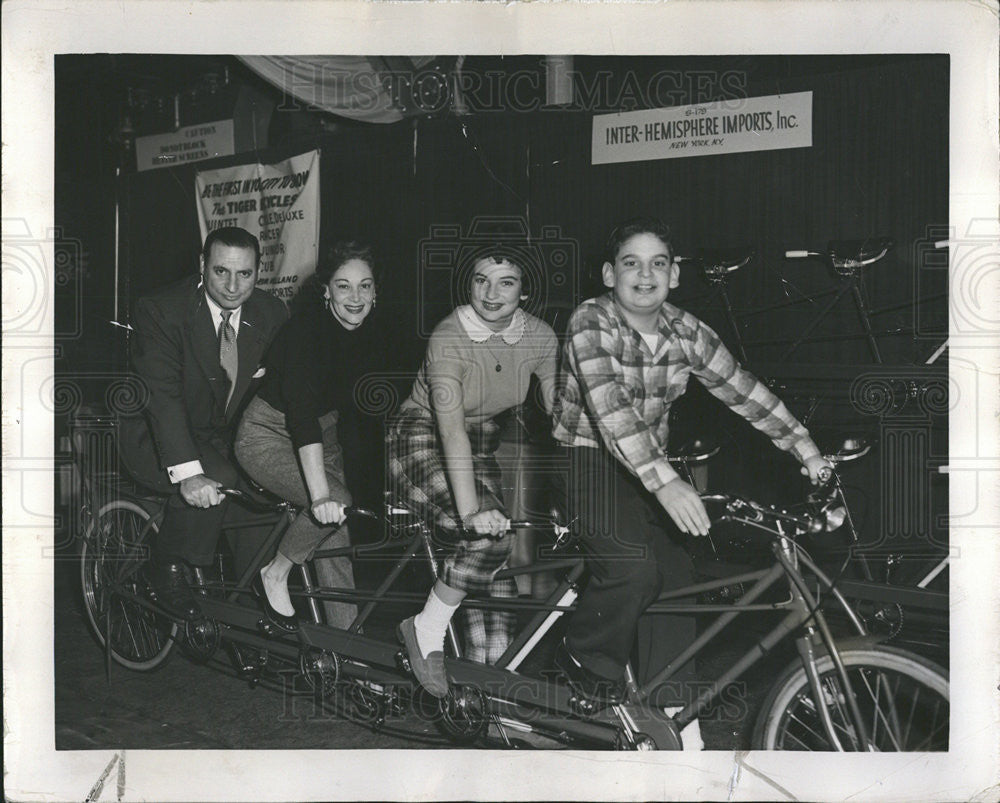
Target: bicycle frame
{"type": "Point", "coordinates": [514, 695]}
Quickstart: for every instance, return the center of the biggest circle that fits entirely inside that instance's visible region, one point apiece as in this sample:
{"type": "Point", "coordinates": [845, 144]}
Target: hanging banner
{"type": "Point", "coordinates": [728, 126]}
{"type": "Point", "coordinates": [280, 204]}
{"type": "Point", "coordinates": [191, 144]}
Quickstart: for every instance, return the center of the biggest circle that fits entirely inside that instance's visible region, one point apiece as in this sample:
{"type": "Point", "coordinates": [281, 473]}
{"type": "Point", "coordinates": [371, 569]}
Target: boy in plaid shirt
{"type": "Point", "coordinates": [628, 356]}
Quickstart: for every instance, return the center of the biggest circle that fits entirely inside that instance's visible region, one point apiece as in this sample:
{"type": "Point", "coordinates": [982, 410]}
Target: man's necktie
{"type": "Point", "coordinates": [227, 352]}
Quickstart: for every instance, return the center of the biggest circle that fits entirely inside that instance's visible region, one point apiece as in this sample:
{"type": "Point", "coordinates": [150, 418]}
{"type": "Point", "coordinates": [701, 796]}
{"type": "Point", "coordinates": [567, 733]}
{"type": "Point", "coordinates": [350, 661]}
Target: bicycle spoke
{"type": "Point", "coordinates": [910, 717]}
{"type": "Point", "coordinates": [902, 700]}
{"type": "Point", "coordinates": [877, 714]}
{"type": "Point", "coordinates": [796, 738]}
{"type": "Point", "coordinates": [148, 634]}
{"type": "Point", "coordinates": [846, 727]}
{"type": "Point", "coordinates": [892, 725]}
{"type": "Point", "coordinates": [821, 737]}
{"type": "Point", "coordinates": [929, 742]}
{"type": "Point", "coordinates": [114, 587]}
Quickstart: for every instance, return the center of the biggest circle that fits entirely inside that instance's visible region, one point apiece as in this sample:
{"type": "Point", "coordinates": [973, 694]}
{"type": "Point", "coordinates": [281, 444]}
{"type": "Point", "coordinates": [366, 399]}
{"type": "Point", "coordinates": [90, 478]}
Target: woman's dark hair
{"type": "Point", "coordinates": [336, 255]}
{"type": "Point", "coordinates": [638, 225]}
{"type": "Point", "coordinates": [498, 254]}
{"type": "Point", "coordinates": [340, 252]}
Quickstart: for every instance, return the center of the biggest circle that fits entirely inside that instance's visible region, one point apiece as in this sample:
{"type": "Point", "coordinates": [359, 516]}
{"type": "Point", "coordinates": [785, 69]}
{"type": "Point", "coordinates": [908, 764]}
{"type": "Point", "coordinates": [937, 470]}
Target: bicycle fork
{"type": "Point", "coordinates": [817, 632]}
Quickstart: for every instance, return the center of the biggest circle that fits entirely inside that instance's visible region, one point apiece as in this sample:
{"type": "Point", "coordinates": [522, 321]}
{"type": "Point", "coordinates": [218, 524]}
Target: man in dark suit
{"type": "Point", "coordinates": [198, 347]}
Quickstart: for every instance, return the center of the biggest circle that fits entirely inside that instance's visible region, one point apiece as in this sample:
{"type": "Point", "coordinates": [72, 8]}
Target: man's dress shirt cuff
{"type": "Point", "coordinates": [182, 471]}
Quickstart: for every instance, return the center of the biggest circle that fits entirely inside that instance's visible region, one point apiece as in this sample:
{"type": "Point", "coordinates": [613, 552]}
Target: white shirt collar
{"type": "Point", "coordinates": [479, 332]}
{"type": "Point", "coordinates": [216, 312]}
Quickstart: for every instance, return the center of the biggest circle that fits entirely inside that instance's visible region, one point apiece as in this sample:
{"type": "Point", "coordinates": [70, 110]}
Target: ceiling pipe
{"type": "Point", "coordinates": [558, 80]}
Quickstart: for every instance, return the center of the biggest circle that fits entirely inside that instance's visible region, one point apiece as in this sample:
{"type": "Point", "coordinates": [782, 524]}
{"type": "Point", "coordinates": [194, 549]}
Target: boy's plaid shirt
{"type": "Point", "coordinates": [614, 390]}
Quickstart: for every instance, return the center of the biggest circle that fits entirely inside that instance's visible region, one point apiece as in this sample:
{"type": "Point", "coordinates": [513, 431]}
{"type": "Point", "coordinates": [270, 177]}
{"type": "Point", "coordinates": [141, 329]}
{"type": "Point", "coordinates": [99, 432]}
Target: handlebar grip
{"type": "Point", "coordinates": [353, 510]}
{"type": "Point", "coordinates": [511, 525]}
{"type": "Point", "coordinates": [246, 499]}
{"type": "Point", "coordinates": [796, 254]}
{"type": "Point", "coordinates": [262, 504]}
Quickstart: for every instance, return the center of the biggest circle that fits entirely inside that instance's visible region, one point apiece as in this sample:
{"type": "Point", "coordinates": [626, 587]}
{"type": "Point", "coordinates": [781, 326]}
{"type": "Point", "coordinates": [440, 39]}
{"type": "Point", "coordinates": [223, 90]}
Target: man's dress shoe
{"type": "Point", "coordinates": [172, 590]}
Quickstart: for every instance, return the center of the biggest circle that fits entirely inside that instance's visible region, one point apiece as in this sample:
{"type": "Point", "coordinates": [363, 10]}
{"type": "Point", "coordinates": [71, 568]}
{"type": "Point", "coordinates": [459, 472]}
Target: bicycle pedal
{"type": "Point", "coordinates": [251, 673]}
{"type": "Point", "coordinates": [585, 706]}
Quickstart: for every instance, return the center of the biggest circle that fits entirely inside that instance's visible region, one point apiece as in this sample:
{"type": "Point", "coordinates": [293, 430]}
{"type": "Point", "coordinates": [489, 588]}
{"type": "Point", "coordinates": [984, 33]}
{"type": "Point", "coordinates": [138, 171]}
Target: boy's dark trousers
{"type": "Point", "coordinates": [633, 552]}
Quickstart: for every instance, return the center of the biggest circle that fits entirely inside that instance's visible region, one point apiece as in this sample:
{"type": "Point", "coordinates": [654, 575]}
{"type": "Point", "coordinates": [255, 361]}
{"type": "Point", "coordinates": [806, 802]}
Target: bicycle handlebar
{"type": "Point", "coordinates": [821, 511]}
{"type": "Point", "coordinates": [281, 505]}
{"type": "Point", "coordinates": [696, 452]}
{"type": "Point", "coordinates": [719, 263]}
{"type": "Point", "coordinates": [395, 509]}
{"type": "Point", "coordinates": [851, 449]}
{"type": "Point", "coordinates": [848, 254]}
{"type": "Point", "coordinates": [746, 511]}
{"type": "Point", "coordinates": [250, 501]}
{"type": "Point", "coordinates": [525, 524]}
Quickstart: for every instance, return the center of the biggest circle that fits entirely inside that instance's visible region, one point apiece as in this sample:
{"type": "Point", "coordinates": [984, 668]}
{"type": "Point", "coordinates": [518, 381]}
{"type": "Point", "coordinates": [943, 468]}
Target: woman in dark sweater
{"type": "Point", "coordinates": [305, 424]}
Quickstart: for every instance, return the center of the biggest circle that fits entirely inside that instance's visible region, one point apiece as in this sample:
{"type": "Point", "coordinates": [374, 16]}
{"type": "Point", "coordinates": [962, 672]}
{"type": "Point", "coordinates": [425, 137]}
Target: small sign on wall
{"type": "Point", "coordinates": [279, 204]}
{"type": "Point", "coordinates": [727, 126]}
{"type": "Point", "coordinates": [193, 143]}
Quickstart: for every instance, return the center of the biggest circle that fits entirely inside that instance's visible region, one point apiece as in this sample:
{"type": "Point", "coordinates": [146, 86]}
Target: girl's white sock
{"type": "Point", "coordinates": [431, 624]}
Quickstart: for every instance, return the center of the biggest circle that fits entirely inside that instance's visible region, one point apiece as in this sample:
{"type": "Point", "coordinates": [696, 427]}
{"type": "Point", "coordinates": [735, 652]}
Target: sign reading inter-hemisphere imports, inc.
{"type": "Point", "coordinates": [727, 126]}
{"type": "Point", "coordinates": [279, 203]}
{"type": "Point", "coordinates": [192, 144]}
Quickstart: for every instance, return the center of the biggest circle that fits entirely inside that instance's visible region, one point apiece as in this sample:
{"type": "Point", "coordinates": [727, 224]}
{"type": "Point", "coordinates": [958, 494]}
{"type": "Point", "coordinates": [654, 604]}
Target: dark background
{"type": "Point", "coordinates": [878, 166]}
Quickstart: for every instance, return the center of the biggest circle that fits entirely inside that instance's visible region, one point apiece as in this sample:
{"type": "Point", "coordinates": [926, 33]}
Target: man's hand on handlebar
{"type": "Point", "coordinates": [201, 491]}
{"type": "Point", "coordinates": [328, 511]}
{"type": "Point", "coordinates": [684, 506]}
{"type": "Point", "coordinates": [486, 522]}
{"type": "Point", "coordinates": [818, 469]}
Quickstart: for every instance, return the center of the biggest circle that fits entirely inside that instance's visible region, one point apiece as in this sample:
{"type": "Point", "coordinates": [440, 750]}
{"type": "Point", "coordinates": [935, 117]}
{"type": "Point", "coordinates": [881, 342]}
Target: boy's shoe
{"type": "Point", "coordinates": [691, 735]}
{"type": "Point", "coordinates": [592, 692]}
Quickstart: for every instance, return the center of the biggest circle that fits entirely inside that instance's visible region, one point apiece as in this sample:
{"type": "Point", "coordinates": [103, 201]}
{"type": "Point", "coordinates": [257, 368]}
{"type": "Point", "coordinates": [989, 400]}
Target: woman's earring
{"type": "Point", "coordinates": [373, 302]}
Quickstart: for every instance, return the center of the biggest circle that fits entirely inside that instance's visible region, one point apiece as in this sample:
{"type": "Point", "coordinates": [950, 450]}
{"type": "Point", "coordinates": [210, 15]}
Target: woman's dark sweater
{"type": "Point", "coordinates": [315, 366]}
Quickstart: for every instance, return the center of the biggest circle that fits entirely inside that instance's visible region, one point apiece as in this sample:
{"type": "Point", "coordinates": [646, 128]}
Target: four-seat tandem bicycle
{"type": "Point", "coordinates": [842, 692]}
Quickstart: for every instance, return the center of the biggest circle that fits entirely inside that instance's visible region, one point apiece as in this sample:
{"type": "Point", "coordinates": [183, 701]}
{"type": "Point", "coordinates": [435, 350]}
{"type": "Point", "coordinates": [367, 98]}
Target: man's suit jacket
{"type": "Point", "coordinates": [176, 352]}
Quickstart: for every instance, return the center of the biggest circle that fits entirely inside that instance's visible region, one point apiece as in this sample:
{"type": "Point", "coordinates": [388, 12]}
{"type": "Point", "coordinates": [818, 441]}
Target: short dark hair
{"type": "Point", "coordinates": [638, 225]}
{"type": "Point", "coordinates": [234, 237]}
{"type": "Point", "coordinates": [340, 252]}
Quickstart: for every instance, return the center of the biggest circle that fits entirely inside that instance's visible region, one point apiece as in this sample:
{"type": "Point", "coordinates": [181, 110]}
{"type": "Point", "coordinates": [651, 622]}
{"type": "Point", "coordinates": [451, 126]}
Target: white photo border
{"type": "Point", "coordinates": [34, 33]}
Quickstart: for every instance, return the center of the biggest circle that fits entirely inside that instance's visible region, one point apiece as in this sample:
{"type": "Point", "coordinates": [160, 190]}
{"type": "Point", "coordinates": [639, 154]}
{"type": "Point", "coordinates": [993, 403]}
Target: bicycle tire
{"type": "Point", "coordinates": [917, 688]}
{"type": "Point", "coordinates": [141, 639]}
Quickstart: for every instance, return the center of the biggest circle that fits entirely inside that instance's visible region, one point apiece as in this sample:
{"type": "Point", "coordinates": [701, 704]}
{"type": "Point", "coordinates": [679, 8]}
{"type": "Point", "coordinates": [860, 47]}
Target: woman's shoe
{"type": "Point", "coordinates": [288, 624]}
{"type": "Point", "coordinates": [429, 671]}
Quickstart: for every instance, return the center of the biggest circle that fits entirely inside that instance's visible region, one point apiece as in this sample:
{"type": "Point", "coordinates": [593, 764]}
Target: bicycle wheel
{"type": "Point", "coordinates": [113, 568]}
{"type": "Point", "coordinates": [903, 700]}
